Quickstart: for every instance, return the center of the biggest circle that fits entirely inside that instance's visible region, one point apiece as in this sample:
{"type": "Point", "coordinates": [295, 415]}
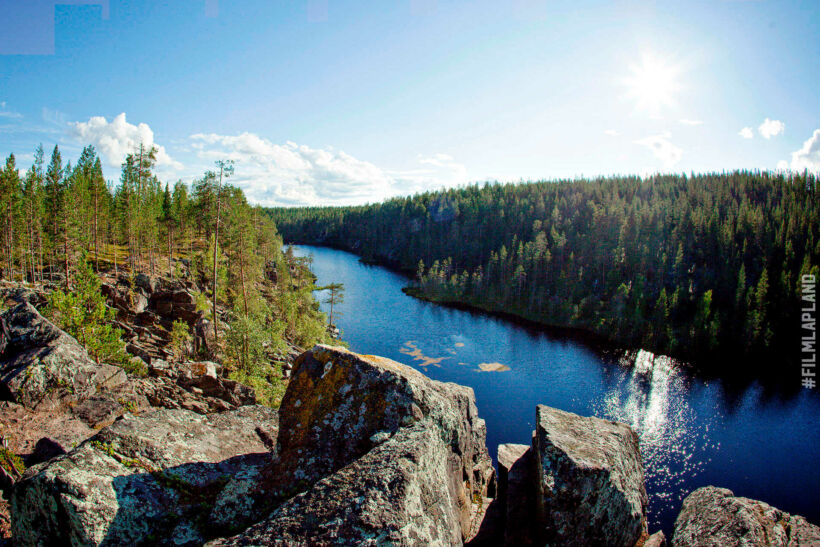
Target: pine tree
{"type": "Point", "coordinates": [53, 189]}
{"type": "Point", "coordinates": [84, 314]}
{"type": "Point", "coordinates": [334, 297]}
{"type": "Point", "coordinates": [225, 170]}
{"type": "Point", "coordinates": [10, 200]}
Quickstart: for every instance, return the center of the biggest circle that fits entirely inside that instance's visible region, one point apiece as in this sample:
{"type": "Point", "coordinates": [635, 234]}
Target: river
{"type": "Point", "coordinates": [759, 442]}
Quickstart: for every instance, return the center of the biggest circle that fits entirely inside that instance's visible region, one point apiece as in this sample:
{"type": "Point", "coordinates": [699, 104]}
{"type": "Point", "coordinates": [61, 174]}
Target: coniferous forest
{"type": "Point", "coordinates": [705, 268]}
{"type": "Point", "coordinates": [64, 228]}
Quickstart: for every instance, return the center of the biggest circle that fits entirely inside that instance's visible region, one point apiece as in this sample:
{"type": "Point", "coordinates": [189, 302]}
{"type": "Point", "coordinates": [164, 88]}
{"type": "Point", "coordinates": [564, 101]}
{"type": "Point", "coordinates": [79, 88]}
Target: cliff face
{"type": "Point", "coordinates": [580, 483]}
{"type": "Point", "coordinates": [590, 480]}
{"type": "Point", "coordinates": [368, 450]}
{"type": "Point", "coordinates": [363, 451]}
{"type": "Point", "coordinates": [373, 451]}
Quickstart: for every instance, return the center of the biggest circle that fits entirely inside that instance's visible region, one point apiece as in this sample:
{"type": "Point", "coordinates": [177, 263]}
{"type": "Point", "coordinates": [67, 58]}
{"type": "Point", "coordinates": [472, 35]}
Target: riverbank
{"type": "Point", "coordinates": [713, 366]}
{"type": "Point", "coordinates": [694, 429]}
{"type": "Point", "coordinates": [589, 338]}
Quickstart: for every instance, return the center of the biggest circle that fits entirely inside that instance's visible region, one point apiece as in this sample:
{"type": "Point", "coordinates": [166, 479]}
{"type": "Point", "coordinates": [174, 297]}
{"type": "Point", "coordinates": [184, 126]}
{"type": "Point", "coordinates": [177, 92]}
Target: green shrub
{"type": "Point", "coordinates": [269, 385]}
{"type": "Point", "coordinates": [11, 462]}
{"type": "Point", "coordinates": [180, 337]}
{"type": "Point", "coordinates": [83, 314]}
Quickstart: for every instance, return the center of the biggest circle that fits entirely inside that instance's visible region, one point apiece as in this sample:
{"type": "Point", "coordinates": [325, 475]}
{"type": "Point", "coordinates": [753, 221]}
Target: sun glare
{"type": "Point", "coordinates": [653, 84]}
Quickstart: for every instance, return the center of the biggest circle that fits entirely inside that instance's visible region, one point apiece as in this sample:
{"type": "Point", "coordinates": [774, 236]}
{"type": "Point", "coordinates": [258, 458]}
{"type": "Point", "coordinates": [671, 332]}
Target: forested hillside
{"type": "Point", "coordinates": [60, 222]}
{"type": "Point", "coordinates": [703, 267]}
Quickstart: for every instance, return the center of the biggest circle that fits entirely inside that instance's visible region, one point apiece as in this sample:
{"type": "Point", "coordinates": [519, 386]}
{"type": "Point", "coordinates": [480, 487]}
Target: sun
{"type": "Point", "coordinates": [653, 84]}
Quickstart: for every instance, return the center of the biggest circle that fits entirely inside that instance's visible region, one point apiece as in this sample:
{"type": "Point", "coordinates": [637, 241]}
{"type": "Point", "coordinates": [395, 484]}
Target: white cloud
{"type": "Point", "coordinates": [611, 132]}
{"type": "Point", "coordinates": [8, 114]}
{"type": "Point", "coordinates": [294, 174]}
{"type": "Point", "coordinates": [684, 121]}
{"type": "Point", "coordinates": [117, 138]}
{"type": "Point", "coordinates": [771, 128]}
{"type": "Point", "coordinates": [808, 157]}
{"type": "Point", "coordinates": [663, 149]}
{"type": "Point", "coordinates": [746, 133]}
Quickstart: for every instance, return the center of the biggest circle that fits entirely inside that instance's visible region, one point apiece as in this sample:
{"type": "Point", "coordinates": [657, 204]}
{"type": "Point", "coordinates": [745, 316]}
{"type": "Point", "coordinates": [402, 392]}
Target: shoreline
{"type": "Point", "coordinates": [597, 342]}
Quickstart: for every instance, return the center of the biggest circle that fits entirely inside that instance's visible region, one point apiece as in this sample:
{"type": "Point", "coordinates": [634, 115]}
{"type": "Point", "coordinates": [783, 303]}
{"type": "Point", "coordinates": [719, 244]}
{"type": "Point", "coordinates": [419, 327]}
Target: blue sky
{"type": "Point", "coordinates": [325, 101]}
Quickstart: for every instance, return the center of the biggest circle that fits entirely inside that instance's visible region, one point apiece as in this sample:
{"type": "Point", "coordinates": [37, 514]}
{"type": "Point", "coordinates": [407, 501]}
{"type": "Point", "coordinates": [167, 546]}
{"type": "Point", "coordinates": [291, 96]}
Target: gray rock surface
{"type": "Point", "coordinates": [193, 386]}
{"type": "Point", "coordinates": [371, 451]}
{"type": "Point", "coordinates": [713, 517]}
{"type": "Point", "coordinates": [146, 282]}
{"type": "Point", "coordinates": [175, 304]}
{"type": "Point", "coordinates": [516, 493]}
{"type": "Point", "coordinates": [42, 364]}
{"type": "Point", "coordinates": [658, 539]}
{"type": "Point", "coordinates": [590, 480]}
{"type": "Point", "coordinates": [153, 479]}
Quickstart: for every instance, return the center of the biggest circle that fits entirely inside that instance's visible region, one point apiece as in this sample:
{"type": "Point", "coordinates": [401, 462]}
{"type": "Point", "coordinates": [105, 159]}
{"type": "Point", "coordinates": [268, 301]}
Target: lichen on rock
{"type": "Point", "coordinates": [712, 517]}
{"type": "Point", "coordinates": [590, 480]}
{"type": "Point", "coordinates": [153, 478]}
{"type": "Point", "coordinates": [371, 451]}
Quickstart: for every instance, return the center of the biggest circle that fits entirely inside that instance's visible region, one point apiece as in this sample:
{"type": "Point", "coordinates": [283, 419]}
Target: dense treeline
{"type": "Point", "coordinates": [699, 267]}
{"type": "Point", "coordinates": [58, 219]}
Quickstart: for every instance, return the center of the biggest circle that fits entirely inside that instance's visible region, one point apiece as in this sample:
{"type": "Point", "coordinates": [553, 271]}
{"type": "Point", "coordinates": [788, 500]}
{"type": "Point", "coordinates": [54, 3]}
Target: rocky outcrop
{"type": "Point", "coordinates": [658, 539]}
{"type": "Point", "coordinates": [146, 282]}
{"type": "Point", "coordinates": [146, 309]}
{"type": "Point", "coordinates": [195, 386]}
{"type": "Point", "coordinates": [170, 477]}
{"type": "Point", "coordinates": [57, 394]}
{"type": "Point", "coordinates": [517, 493]}
{"type": "Point", "coordinates": [11, 296]}
{"type": "Point", "coordinates": [372, 451]}
{"type": "Point", "coordinates": [713, 517]}
{"type": "Point", "coordinates": [41, 364]}
{"type": "Point", "coordinates": [590, 480]}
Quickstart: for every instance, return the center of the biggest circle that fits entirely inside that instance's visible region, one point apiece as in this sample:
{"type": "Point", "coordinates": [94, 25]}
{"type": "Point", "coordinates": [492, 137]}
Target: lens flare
{"type": "Point", "coordinates": [653, 84]}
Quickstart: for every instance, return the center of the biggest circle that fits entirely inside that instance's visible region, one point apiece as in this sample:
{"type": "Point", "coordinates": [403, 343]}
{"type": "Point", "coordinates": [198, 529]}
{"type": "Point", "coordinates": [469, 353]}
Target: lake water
{"type": "Point", "coordinates": [760, 443]}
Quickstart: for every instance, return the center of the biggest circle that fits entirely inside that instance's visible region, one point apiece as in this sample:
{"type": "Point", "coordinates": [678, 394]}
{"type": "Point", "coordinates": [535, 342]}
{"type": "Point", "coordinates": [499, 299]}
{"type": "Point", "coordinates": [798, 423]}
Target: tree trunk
{"type": "Point", "coordinates": [65, 249]}
{"type": "Point", "coordinates": [170, 252]}
{"type": "Point", "coordinates": [216, 248]}
{"type": "Point", "coordinates": [96, 241]}
{"type": "Point", "coordinates": [40, 253]}
{"type": "Point", "coordinates": [31, 245]}
{"type": "Point", "coordinates": [244, 296]}
{"type": "Point", "coordinates": [242, 275]}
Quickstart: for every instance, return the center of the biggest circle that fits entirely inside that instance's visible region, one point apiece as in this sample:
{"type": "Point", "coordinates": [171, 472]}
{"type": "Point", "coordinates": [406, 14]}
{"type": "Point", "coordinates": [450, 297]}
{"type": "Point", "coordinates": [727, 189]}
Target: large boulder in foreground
{"type": "Point", "coordinates": [590, 480]}
{"type": "Point", "coordinates": [42, 364]}
{"type": "Point", "coordinates": [713, 517]}
{"type": "Point", "coordinates": [371, 451]}
{"type": "Point", "coordinates": [170, 477]}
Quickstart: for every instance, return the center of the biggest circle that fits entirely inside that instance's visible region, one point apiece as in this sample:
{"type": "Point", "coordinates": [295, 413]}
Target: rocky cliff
{"type": "Point", "coordinates": [363, 451]}
{"type": "Point", "coordinates": [371, 451]}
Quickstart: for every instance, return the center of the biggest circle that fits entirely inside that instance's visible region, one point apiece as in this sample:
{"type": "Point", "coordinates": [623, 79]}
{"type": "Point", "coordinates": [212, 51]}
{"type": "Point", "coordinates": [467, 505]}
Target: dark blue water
{"type": "Point", "coordinates": [759, 443]}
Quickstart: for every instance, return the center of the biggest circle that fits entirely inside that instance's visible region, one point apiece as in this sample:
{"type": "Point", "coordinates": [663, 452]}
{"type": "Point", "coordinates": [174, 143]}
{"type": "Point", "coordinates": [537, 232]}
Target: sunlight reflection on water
{"type": "Point", "coordinates": [760, 442]}
{"type": "Point", "coordinates": [651, 398]}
